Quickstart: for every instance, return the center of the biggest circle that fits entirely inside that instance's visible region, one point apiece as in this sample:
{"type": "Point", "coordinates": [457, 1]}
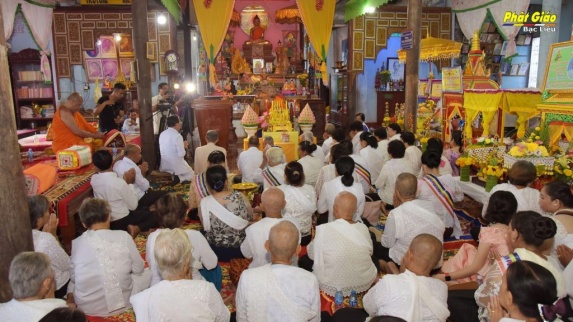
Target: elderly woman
{"type": "Point", "coordinates": [32, 280]}
{"type": "Point", "coordinates": [44, 227]}
{"type": "Point", "coordinates": [106, 266]}
{"type": "Point", "coordinates": [224, 214]}
{"type": "Point", "coordinates": [178, 297]}
{"type": "Point", "coordinates": [171, 209]}
{"type": "Point", "coordinates": [300, 199]}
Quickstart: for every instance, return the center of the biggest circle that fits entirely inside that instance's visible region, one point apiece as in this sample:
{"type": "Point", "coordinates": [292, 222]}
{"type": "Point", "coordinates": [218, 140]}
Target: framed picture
{"type": "Point", "coordinates": [520, 40]}
{"type": "Point", "coordinates": [397, 70]}
{"type": "Point", "coordinates": [497, 48]}
{"type": "Point", "coordinates": [422, 84]}
{"type": "Point", "coordinates": [125, 64]}
{"type": "Point", "coordinates": [483, 38]}
{"type": "Point", "coordinates": [491, 27]}
{"type": "Point", "coordinates": [258, 65]}
{"type": "Point", "coordinates": [151, 51]}
{"type": "Point", "coordinates": [94, 69]}
{"type": "Point", "coordinates": [110, 68]}
{"type": "Point", "coordinates": [503, 48]}
{"type": "Point", "coordinates": [107, 47]}
{"type": "Point", "coordinates": [523, 68]}
{"type": "Point", "coordinates": [514, 69]}
{"type": "Point", "coordinates": [436, 89]}
{"type": "Point", "coordinates": [124, 45]}
{"type": "Point", "coordinates": [505, 68]}
{"type": "Point", "coordinates": [528, 38]}
{"type": "Point", "coordinates": [496, 59]}
{"type": "Point", "coordinates": [465, 48]}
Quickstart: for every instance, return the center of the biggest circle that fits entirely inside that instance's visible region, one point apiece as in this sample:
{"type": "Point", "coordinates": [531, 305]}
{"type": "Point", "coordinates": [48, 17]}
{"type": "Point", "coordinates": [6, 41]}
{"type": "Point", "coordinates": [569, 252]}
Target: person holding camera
{"type": "Point", "coordinates": [162, 95]}
{"type": "Point", "coordinates": [110, 109]}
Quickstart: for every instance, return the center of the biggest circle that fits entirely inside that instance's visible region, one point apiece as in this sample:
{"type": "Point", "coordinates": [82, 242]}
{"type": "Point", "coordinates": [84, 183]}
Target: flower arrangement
{"type": "Point", "coordinates": [493, 170]}
{"type": "Point", "coordinates": [424, 143]}
{"type": "Point", "coordinates": [306, 116]}
{"type": "Point", "coordinates": [563, 168]}
{"type": "Point", "coordinates": [427, 106]}
{"type": "Point", "coordinates": [465, 161]}
{"type": "Point", "coordinates": [484, 141]}
{"type": "Point", "coordinates": [529, 149]}
{"type": "Point", "coordinates": [385, 76]}
{"type": "Point", "coordinates": [250, 118]}
{"type": "Point", "coordinates": [302, 78]}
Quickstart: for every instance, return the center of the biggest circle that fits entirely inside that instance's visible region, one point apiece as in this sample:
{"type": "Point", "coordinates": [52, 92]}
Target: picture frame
{"type": "Point", "coordinates": [497, 48]}
{"type": "Point", "coordinates": [558, 76]}
{"type": "Point", "coordinates": [523, 69]}
{"type": "Point", "coordinates": [483, 38]}
{"type": "Point", "coordinates": [107, 47]}
{"type": "Point", "coordinates": [124, 45]}
{"type": "Point", "coordinates": [397, 69]}
{"type": "Point", "coordinates": [514, 69]}
{"type": "Point", "coordinates": [505, 68]}
{"type": "Point", "coordinates": [495, 69]}
{"type": "Point", "coordinates": [503, 48]}
{"type": "Point", "coordinates": [496, 59]}
{"type": "Point", "coordinates": [520, 40]}
{"type": "Point", "coordinates": [528, 39]}
{"type": "Point", "coordinates": [258, 65]}
{"type": "Point", "coordinates": [465, 48]}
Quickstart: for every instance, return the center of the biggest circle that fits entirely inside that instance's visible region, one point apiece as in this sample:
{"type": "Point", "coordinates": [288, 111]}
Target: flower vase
{"type": "Point", "coordinates": [250, 130]}
{"type": "Point", "coordinates": [490, 182]}
{"type": "Point", "coordinates": [305, 127]}
{"type": "Point", "coordinates": [465, 173]}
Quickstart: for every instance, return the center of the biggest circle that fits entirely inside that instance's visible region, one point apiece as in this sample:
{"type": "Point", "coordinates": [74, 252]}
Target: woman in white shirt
{"type": "Point", "coordinates": [525, 287]}
{"type": "Point", "coordinates": [44, 227]}
{"type": "Point", "coordinates": [310, 163]}
{"type": "Point", "coordinates": [171, 209]}
{"type": "Point", "coordinates": [374, 161]}
{"type": "Point", "coordinates": [343, 182]}
{"type": "Point", "coordinates": [300, 200]}
{"type": "Point", "coordinates": [556, 198]}
{"type": "Point", "coordinates": [106, 265]}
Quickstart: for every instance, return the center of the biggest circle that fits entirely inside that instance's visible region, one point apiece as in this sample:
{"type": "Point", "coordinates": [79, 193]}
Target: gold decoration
{"type": "Point", "coordinates": [235, 19]}
{"type": "Point", "coordinates": [288, 15]}
{"type": "Point", "coordinates": [435, 49]}
{"type": "Point", "coordinates": [475, 41]}
{"type": "Point", "coordinates": [237, 63]}
{"type": "Point", "coordinates": [279, 116]}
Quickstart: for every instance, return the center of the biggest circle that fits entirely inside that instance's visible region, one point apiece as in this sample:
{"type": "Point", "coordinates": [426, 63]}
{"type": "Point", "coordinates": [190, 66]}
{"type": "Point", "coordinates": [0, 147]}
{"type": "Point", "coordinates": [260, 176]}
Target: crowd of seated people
{"type": "Point", "coordinates": [307, 243]}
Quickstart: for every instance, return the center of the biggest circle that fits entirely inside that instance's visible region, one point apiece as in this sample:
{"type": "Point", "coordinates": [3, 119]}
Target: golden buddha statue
{"type": "Point", "coordinates": [257, 32]}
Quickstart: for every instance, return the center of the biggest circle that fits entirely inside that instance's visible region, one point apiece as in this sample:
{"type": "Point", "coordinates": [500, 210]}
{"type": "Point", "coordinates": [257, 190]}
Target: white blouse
{"type": "Point", "coordinates": [327, 173]}
{"type": "Point", "coordinates": [374, 161]}
{"type": "Point", "coordinates": [386, 181]}
{"type": "Point", "coordinates": [47, 244]}
{"type": "Point", "coordinates": [203, 255]}
{"type": "Point", "coordinates": [311, 167]}
{"type": "Point", "coordinates": [295, 209]}
{"type": "Point", "coordinates": [329, 192]}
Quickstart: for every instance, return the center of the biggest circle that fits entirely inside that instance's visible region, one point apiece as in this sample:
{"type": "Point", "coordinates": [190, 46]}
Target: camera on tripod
{"type": "Point", "coordinates": [165, 105]}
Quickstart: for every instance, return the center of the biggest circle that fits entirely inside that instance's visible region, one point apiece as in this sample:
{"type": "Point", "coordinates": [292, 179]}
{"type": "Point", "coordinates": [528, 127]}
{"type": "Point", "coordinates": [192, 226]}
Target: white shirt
{"type": "Point", "coordinates": [28, 311]}
{"type": "Point", "coordinates": [248, 163]}
{"type": "Point", "coordinates": [329, 192]}
{"type": "Point", "coordinates": [298, 285]}
{"type": "Point", "coordinates": [295, 209]}
{"type": "Point", "coordinates": [414, 156]}
{"type": "Point", "coordinates": [203, 255]}
{"type": "Point", "coordinates": [527, 198]}
{"type": "Point", "coordinates": [121, 197]}
{"type": "Point", "coordinates": [365, 183]}
{"type": "Point", "coordinates": [386, 181]}
{"type": "Point", "coordinates": [374, 162]}
{"type": "Point", "coordinates": [397, 136]}
{"type": "Point", "coordinates": [156, 115]}
{"type": "Point", "coordinates": [278, 172]}
{"type": "Point", "coordinates": [121, 265]}
{"type": "Point", "coordinates": [141, 184]}
{"type": "Point", "coordinates": [130, 129]}
{"type": "Point", "coordinates": [392, 296]}
{"type": "Point", "coordinates": [311, 166]}
{"type": "Point", "coordinates": [326, 145]}
{"type": "Point", "coordinates": [327, 173]}
{"type": "Point", "coordinates": [425, 193]}
{"type": "Point", "coordinates": [172, 153]}
{"type": "Point", "coordinates": [254, 244]}
{"type": "Point", "coordinates": [407, 221]}
{"type": "Point", "coordinates": [46, 243]}
{"type": "Point", "coordinates": [180, 300]}
{"type": "Point", "coordinates": [356, 143]}
{"type": "Point", "coordinates": [347, 265]}
{"type": "Point", "coordinates": [382, 150]}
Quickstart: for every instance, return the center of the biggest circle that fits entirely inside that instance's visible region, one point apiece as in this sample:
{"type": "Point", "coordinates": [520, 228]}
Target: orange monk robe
{"type": "Point", "coordinates": [257, 32]}
{"type": "Point", "coordinates": [64, 137]}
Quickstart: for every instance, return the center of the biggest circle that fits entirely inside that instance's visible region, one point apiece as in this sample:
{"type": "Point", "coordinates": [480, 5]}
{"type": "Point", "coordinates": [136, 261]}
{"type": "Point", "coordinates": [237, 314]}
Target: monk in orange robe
{"type": "Point", "coordinates": [70, 128]}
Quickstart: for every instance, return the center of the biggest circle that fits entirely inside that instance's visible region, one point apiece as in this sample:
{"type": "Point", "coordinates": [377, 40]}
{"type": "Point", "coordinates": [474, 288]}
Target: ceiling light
{"type": "Point", "coordinates": [161, 19]}
{"type": "Point", "coordinates": [98, 42]}
{"type": "Point", "coordinates": [176, 86]}
{"type": "Point", "coordinates": [369, 9]}
{"type": "Point", "coordinates": [117, 37]}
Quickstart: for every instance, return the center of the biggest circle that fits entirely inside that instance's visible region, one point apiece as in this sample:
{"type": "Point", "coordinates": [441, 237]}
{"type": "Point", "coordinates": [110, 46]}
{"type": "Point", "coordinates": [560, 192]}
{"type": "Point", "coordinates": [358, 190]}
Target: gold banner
{"type": "Point", "coordinates": [106, 2]}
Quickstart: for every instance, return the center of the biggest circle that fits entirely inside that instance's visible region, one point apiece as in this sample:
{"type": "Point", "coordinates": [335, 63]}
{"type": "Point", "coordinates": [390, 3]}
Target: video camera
{"type": "Point", "coordinates": [165, 105]}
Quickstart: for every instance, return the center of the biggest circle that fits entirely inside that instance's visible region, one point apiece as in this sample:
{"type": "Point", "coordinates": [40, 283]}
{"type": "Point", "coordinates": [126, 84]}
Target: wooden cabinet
{"type": "Point", "coordinates": [392, 98]}
{"type": "Point", "coordinates": [339, 99]}
{"type": "Point", "coordinates": [34, 101]}
{"type": "Point", "coordinates": [217, 115]}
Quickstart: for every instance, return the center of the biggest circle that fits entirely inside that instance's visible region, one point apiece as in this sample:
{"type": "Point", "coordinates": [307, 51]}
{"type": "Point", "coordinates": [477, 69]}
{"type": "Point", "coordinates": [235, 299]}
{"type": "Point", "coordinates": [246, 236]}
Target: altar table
{"type": "Point", "coordinates": [473, 190]}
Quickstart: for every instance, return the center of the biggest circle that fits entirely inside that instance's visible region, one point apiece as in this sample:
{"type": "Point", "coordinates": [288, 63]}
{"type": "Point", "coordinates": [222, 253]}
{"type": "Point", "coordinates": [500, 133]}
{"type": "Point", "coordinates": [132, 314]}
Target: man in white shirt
{"type": "Point", "coordinates": [410, 218]}
{"type": "Point", "coordinates": [355, 129]}
{"type": "Point", "coordinates": [173, 150]}
{"type": "Point", "coordinates": [161, 95]}
{"type": "Point", "coordinates": [250, 160]}
{"type": "Point", "coordinates": [382, 149]}
{"type": "Point", "coordinates": [412, 153]}
{"type": "Point", "coordinates": [202, 152]}
{"type": "Point", "coordinates": [121, 196]}
{"type": "Point", "coordinates": [412, 295]}
{"type": "Point", "coordinates": [393, 130]}
{"type": "Point", "coordinates": [395, 166]}
{"type": "Point", "coordinates": [272, 203]}
{"type": "Point", "coordinates": [327, 136]}
{"type": "Point", "coordinates": [132, 160]}
{"type": "Point", "coordinates": [342, 251]}
{"type": "Point", "coordinates": [131, 124]}
{"type": "Point", "coordinates": [272, 169]}
{"type": "Point", "coordinates": [279, 291]}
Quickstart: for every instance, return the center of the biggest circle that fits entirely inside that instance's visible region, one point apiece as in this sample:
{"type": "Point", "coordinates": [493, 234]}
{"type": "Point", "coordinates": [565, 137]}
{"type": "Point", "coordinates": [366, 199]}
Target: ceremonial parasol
{"type": "Point", "coordinates": [288, 15]}
{"type": "Point", "coordinates": [435, 49]}
{"type": "Point", "coordinates": [235, 19]}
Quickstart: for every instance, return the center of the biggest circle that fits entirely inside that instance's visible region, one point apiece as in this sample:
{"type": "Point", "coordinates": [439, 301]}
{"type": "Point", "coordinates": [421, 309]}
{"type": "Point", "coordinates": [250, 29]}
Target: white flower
{"type": "Point", "coordinates": [507, 141]}
{"type": "Point", "coordinates": [481, 139]}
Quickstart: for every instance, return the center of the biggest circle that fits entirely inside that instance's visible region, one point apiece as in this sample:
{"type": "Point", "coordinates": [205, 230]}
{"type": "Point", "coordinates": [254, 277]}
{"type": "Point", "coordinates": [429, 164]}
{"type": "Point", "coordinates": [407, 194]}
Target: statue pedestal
{"type": "Point", "coordinates": [262, 49]}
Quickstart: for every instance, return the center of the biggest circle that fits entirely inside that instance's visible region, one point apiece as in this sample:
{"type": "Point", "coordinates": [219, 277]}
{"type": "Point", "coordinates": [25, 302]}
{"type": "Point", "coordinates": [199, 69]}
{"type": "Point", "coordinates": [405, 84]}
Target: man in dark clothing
{"type": "Point", "coordinates": [110, 109]}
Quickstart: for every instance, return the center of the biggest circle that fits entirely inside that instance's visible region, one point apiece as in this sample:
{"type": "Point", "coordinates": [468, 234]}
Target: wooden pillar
{"type": "Point", "coordinates": [15, 230]}
{"type": "Point", "coordinates": [412, 60]}
{"type": "Point", "coordinates": [140, 39]}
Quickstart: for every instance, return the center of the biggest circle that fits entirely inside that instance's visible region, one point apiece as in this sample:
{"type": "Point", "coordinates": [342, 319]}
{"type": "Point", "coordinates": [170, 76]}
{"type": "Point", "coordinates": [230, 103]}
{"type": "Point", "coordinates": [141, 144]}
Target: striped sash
{"type": "Point", "coordinates": [441, 193]}
{"type": "Point", "coordinates": [270, 178]}
{"type": "Point", "coordinates": [362, 172]}
{"type": "Point", "coordinates": [201, 185]}
{"type": "Point", "coordinates": [505, 261]}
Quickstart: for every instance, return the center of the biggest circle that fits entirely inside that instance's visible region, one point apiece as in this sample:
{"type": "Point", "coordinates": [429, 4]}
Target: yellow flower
{"type": "Point", "coordinates": [537, 137]}
{"type": "Point", "coordinates": [568, 172]}
{"type": "Point", "coordinates": [537, 128]}
{"type": "Point", "coordinates": [531, 147]}
{"type": "Point", "coordinates": [487, 141]}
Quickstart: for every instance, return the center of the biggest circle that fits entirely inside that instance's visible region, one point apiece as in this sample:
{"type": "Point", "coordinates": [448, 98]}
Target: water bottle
{"type": "Point", "coordinates": [353, 299]}
{"type": "Point", "coordinates": [338, 299]}
{"type": "Point", "coordinates": [114, 151]}
{"type": "Point", "coordinates": [30, 155]}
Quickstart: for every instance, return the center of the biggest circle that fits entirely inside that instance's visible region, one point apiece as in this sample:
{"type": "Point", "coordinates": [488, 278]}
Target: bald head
{"type": "Point", "coordinates": [273, 202]}
{"type": "Point", "coordinates": [283, 241]}
{"type": "Point", "coordinates": [345, 205]}
{"type": "Point", "coordinates": [406, 185]}
{"type": "Point", "coordinates": [74, 102]}
{"type": "Point", "coordinates": [424, 253]}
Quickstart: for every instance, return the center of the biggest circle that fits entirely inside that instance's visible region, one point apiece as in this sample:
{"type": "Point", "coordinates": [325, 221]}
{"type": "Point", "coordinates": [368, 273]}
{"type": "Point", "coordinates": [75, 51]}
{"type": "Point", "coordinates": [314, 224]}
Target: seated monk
{"type": "Point", "coordinates": [69, 127]}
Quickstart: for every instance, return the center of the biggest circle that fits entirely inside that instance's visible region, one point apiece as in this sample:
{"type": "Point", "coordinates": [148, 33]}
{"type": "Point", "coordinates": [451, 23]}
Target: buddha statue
{"type": "Point", "coordinates": [257, 32]}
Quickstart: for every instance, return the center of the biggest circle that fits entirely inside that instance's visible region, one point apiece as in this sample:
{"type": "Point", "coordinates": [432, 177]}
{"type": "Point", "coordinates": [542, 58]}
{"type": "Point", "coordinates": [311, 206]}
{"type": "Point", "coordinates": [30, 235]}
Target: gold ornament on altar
{"type": "Point", "coordinates": [122, 80]}
{"type": "Point", "coordinates": [279, 116]}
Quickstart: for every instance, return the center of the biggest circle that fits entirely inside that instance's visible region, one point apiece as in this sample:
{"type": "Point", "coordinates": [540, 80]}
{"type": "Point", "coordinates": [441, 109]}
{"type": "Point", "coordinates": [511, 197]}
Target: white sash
{"type": "Point", "coordinates": [318, 244]}
{"type": "Point", "coordinates": [209, 205]}
{"type": "Point", "coordinates": [350, 231]}
{"type": "Point", "coordinates": [106, 252]}
{"type": "Point", "coordinates": [421, 294]}
{"type": "Point", "coordinates": [411, 209]}
{"type": "Point", "coordinates": [309, 207]}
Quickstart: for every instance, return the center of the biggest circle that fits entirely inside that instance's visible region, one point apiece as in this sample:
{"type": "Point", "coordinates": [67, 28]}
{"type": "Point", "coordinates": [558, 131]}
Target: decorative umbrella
{"type": "Point", "coordinates": [288, 15]}
{"type": "Point", "coordinates": [435, 49]}
{"type": "Point", "coordinates": [235, 19]}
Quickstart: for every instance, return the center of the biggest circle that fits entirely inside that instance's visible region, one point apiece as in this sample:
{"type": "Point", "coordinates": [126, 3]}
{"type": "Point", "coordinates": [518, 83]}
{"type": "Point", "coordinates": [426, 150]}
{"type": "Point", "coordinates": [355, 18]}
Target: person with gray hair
{"type": "Point", "coordinates": [106, 265]}
{"type": "Point", "coordinates": [272, 170]}
{"type": "Point", "coordinates": [309, 137]}
{"type": "Point", "coordinates": [328, 140]}
{"type": "Point", "coordinates": [32, 281]}
{"type": "Point", "coordinates": [279, 291]}
{"type": "Point", "coordinates": [202, 152]}
{"type": "Point", "coordinates": [178, 297]}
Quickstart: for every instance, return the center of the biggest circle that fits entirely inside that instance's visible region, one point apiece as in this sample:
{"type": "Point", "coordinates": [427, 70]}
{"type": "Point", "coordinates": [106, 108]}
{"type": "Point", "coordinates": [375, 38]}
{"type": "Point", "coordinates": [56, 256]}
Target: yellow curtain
{"type": "Point", "coordinates": [486, 102]}
{"type": "Point", "coordinates": [318, 24]}
{"type": "Point", "coordinates": [524, 105]}
{"type": "Point", "coordinates": [213, 25]}
{"type": "Point", "coordinates": [555, 131]}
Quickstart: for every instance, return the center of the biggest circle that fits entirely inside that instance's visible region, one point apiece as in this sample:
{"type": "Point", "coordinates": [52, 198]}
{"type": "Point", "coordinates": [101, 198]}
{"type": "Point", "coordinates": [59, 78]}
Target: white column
{"type": "Point", "coordinates": [547, 38]}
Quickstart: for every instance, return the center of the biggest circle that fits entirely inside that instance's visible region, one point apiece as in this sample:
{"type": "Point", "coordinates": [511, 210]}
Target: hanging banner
{"type": "Point", "coordinates": [452, 80]}
{"type": "Point", "coordinates": [106, 2]}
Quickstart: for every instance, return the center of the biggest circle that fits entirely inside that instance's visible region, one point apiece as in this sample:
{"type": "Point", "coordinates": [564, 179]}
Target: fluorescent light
{"type": "Point", "coordinates": [161, 19]}
{"type": "Point", "coordinates": [369, 9]}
